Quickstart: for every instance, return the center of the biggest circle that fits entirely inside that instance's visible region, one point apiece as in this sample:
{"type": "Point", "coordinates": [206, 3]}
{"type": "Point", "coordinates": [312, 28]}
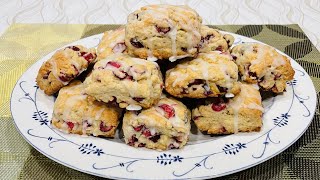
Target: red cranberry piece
{"type": "Point", "coordinates": [218, 105]}
{"type": "Point", "coordinates": [252, 75]}
{"type": "Point", "coordinates": [177, 139]}
{"type": "Point", "coordinates": [128, 77]}
{"type": "Point", "coordinates": [46, 75]}
{"type": "Point", "coordinates": [219, 48]}
{"type": "Point", "coordinates": [196, 82]}
{"type": "Point", "coordinates": [185, 91]}
{"type": "Point", "coordinates": [119, 48]}
{"type": "Point", "coordinates": [163, 30]}
{"type": "Point", "coordinates": [87, 56]}
{"type": "Point", "coordinates": [234, 57]}
{"type": "Point", "coordinates": [155, 138]}
{"type": "Point", "coordinates": [138, 99]}
{"type": "Point", "coordinates": [75, 48]}
{"type": "Point", "coordinates": [171, 146]}
{"type": "Point", "coordinates": [223, 129]}
{"type": "Point", "coordinates": [208, 37]}
{"type": "Point", "coordinates": [146, 133]}
{"type": "Point", "coordinates": [138, 128]}
{"type": "Point", "coordinates": [120, 74]}
{"type": "Point", "coordinates": [70, 125]}
{"type": "Point", "coordinates": [141, 145]}
{"type": "Point", "coordinates": [114, 64]}
{"type": "Point", "coordinates": [184, 49]}
{"type": "Point", "coordinates": [75, 68]}
{"type": "Point", "coordinates": [222, 89]}
{"type": "Point", "coordinates": [104, 128]}
{"type": "Point", "coordinates": [136, 43]}
{"type": "Point", "coordinates": [137, 112]}
{"type": "Point", "coordinates": [132, 140]}
{"type": "Point", "coordinates": [169, 110]}
{"type": "Point", "coordinates": [64, 77]}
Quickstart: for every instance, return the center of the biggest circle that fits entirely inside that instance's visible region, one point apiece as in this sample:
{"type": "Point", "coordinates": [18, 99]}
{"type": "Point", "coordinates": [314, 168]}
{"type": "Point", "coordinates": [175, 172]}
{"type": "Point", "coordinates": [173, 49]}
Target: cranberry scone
{"type": "Point", "coordinates": [166, 125]}
{"type": "Point", "coordinates": [112, 42]}
{"type": "Point", "coordinates": [129, 81]}
{"type": "Point", "coordinates": [263, 65]}
{"type": "Point", "coordinates": [243, 113]}
{"type": "Point", "coordinates": [65, 65]}
{"type": "Point", "coordinates": [163, 32]}
{"type": "Point", "coordinates": [77, 113]}
{"type": "Point", "coordinates": [213, 40]}
{"type": "Point", "coordinates": [211, 74]}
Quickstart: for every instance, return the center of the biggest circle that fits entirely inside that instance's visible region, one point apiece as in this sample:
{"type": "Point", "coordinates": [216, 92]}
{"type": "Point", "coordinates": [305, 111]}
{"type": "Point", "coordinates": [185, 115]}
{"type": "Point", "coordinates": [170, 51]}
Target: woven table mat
{"type": "Point", "coordinates": [23, 44]}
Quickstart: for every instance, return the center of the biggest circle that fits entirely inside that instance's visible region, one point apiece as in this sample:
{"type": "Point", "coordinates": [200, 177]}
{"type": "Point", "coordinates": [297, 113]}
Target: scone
{"type": "Point", "coordinates": [77, 113]}
{"type": "Point", "coordinates": [131, 82]}
{"type": "Point", "coordinates": [212, 39]}
{"type": "Point", "coordinates": [243, 113]}
{"type": "Point", "coordinates": [65, 65]}
{"type": "Point", "coordinates": [163, 32]}
{"type": "Point", "coordinates": [163, 126]}
{"type": "Point", "coordinates": [211, 74]}
{"type": "Point", "coordinates": [112, 42]}
{"type": "Point", "coordinates": [263, 65]}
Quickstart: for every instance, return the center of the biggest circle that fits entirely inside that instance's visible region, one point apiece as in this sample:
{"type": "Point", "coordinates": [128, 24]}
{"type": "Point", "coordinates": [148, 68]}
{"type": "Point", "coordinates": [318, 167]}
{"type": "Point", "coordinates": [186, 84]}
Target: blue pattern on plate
{"type": "Point", "coordinates": [164, 159]}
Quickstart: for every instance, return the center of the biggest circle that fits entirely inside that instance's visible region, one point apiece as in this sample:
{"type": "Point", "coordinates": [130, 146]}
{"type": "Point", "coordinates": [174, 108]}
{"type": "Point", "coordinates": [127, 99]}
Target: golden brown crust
{"type": "Point", "coordinates": [65, 65]}
{"type": "Point", "coordinates": [166, 125]}
{"type": "Point", "coordinates": [212, 39]}
{"type": "Point", "coordinates": [112, 42]}
{"type": "Point", "coordinates": [163, 31]}
{"type": "Point", "coordinates": [126, 80]}
{"type": "Point", "coordinates": [211, 74]}
{"type": "Point", "coordinates": [263, 65]}
{"type": "Point", "coordinates": [77, 113]}
{"type": "Point", "coordinates": [243, 113]}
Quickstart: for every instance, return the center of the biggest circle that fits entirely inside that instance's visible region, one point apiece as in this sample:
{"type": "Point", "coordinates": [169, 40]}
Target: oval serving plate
{"type": "Point", "coordinates": [286, 118]}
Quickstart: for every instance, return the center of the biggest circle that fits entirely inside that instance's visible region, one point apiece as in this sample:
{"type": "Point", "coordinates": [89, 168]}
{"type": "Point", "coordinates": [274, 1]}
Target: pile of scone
{"type": "Point", "coordinates": [222, 85]}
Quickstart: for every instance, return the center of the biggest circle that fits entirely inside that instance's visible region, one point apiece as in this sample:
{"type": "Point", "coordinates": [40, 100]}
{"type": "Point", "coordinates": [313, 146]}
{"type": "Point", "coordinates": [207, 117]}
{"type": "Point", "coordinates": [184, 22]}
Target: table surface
{"type": "Point", "coordinates": [306, 13]}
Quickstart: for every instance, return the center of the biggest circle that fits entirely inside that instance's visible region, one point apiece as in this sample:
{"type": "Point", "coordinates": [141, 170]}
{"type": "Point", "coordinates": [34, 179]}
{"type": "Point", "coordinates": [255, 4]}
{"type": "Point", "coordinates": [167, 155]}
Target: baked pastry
{"type": "Point", "coordinates": [77, 113]}
{"type": "Point", "coordinates": [211, 74]}
{"type": "Point", "coordinates": [65, 65]}
{"type": "Point", "coordinates": [213, 40]}
{"type": "Point", "coordinates": [131, 82]}
{"type": "Point", "coordinates": [243, 113]}
{"type": "Point", "coordinates": [163, 126]}
{"type": "Point", "coordinates": [263, 65]}
{"type": "Point", "coordinates": [112, 42]}
{"type": "Point", "coordinates": [163, 32]}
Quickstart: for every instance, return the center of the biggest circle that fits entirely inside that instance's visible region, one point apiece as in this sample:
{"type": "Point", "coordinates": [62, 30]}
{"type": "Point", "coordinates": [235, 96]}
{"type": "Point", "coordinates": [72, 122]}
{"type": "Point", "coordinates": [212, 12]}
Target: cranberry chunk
{"type": "Point", "coordinates": [75, 48]}
{"type": "Point", "coordinates": [222, 89]}
{"type": "Point", "coordinates": [136, 43]}
{"type": "Point", "coordinates": [196, 117]}
{"type": "Point", "coordinates": [208, 37]}
{"type": "Point", "coordinates": [132, 140]}
{"type": "Point", "coordinates": [196, 82]}
{"type": "Point", "coordinates": [104, 128]}
{"type": "Point", "coordinates": [114, 64]}
{"type": "Point", "coordinates": [87, 56]}
{"type": "Point", "coordinates": [163, 30]}
{"type": "Point", "coordinates": [169, 110]}
{"type": "Point", "coordinates": [138, 128]}
{"type": "Point", "coordinates": [146, 133]}
{"type": "Point", "coordinates": [171, 146]}
{"type": "Point", "coordinates": [218, 105]}
{"type": "Point", "coordinates": [119, 47]}
{"type": "Point", "coordinates": [155, 138]}
{"type": "Point", "coordinates": [252, 75]}
{"type": "Point", "coordinates": [70, 125]}
{"type": "Point", "coordinates": [142, 145]}
{"type": "Point", "coordinates": [138, 99]}
{"type": "Point", "coordinates": [65, 77]}
{"type": "Point", "coordinates": [219, 48]}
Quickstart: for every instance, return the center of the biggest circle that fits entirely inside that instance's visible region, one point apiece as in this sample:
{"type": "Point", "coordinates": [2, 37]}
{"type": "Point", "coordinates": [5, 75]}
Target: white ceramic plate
{"type": "Point", "coordinates": [286, 118]}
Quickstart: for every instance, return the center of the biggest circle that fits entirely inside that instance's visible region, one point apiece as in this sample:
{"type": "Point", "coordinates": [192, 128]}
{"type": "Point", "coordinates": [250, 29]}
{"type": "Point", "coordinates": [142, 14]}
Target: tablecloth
{"type": "Point", "coordinates": [23, 44]}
